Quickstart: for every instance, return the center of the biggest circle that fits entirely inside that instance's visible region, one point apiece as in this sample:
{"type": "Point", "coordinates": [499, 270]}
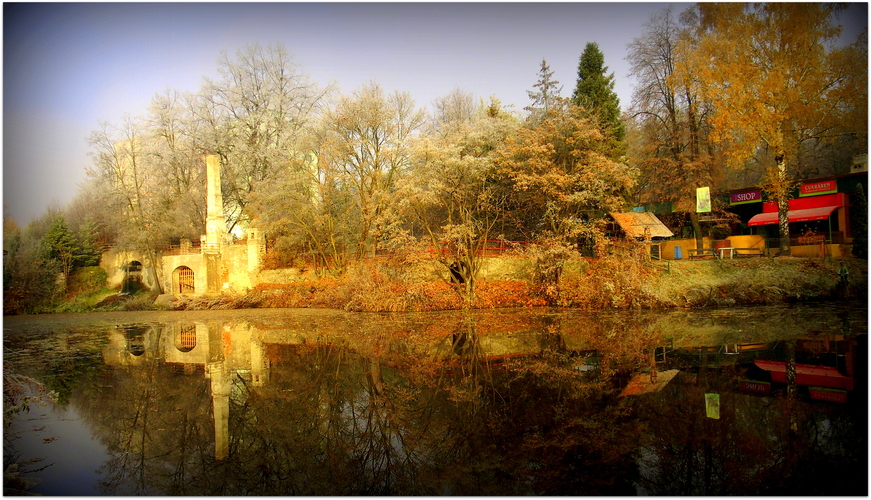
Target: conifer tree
{"type": "Point", "coordinates": [61, 245]}
{"type": "Point", "coordinates": [545, 97]}
{"type": "Point", "coordinates": [595, 91]}
{"type": "Point", "coordinates": [89, 250]}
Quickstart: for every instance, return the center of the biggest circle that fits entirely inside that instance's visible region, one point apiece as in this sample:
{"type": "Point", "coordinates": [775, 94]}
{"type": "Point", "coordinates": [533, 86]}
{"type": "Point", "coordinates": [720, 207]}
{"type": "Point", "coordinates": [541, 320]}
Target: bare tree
{"type": "Point", "coordinates": [456, 108]}
{"type": "Point", "coordinates": [365, 148]}
{"type": "Point", "coordinates": [173, 134]}
{"type": "Point", "coordinates": [122, 170]}
{"type": "Point", "coordinates": [253, 117]}
{"type": "Point", "coordinates": [451, 192]}
{"type": "Point", "coordinates": [670, 121]}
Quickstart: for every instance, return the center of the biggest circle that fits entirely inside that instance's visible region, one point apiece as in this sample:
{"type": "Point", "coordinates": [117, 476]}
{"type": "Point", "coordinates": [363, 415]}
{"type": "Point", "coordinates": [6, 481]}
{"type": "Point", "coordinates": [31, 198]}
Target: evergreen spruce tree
{"type": "Point", "coordinates": [89, 251]}
{"type": "Point", "coordinates": [545, 97]}
{"type": "Point", "coordinates": [61, 246]}
{"type": "Point", "coordinates": [595, 92]}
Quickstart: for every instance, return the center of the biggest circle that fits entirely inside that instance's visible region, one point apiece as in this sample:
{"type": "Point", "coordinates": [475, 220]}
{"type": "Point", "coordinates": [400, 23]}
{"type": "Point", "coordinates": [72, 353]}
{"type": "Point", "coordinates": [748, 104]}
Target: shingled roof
{"type": "Point", "coordinates": [641, 224]}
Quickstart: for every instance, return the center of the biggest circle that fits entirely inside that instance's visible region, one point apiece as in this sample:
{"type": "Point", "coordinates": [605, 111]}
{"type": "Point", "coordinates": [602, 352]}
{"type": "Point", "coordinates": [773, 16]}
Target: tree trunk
{"type": "Point", "coordinates": [791, 386]}
{"type": "Point", "coordinates": [782, 205]}
{"type": "Point", "coordinates": [697, 229]}
{"type": "Point", "coordinates": [154, 263]}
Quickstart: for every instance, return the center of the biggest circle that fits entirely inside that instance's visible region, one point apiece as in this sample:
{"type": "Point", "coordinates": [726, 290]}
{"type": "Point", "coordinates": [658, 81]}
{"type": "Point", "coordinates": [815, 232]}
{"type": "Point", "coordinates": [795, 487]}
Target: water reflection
{"type": "Point", "coordinates": [490, 403]}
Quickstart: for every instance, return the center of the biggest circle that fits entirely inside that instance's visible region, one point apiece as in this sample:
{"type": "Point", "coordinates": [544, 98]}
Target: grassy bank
{"type": "Point", "coordinates": [610, 283]}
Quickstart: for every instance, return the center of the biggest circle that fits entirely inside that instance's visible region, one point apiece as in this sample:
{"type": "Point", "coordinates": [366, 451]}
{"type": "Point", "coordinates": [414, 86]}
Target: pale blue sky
{"type": "Point", "coordinates": [69, 66]}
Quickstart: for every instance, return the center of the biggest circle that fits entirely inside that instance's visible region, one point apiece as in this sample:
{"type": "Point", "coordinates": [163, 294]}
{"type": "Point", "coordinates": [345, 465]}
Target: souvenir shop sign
{"type": "Point", "coordinates": [745, 197]}
{"type": "Point", "coordinates": [815, 188]}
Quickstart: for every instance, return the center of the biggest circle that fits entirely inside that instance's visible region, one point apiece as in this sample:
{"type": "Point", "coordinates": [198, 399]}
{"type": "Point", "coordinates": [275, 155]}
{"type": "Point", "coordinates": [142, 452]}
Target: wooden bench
{"type": "Point", "coordinates": [701, 252]}
{"type": "Point", "coordinates": [749, 252]}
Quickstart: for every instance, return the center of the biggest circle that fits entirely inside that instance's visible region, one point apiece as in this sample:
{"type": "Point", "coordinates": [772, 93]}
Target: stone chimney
{"type": "Point", "coordinates": [216, 226]}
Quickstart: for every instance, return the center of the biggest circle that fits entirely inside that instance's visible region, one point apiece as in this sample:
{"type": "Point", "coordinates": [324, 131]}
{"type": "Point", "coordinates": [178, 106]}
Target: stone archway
{"type": "Point", "coordinates": [183, 281]}
{"type": "Point", "coordinates": [132, 277]}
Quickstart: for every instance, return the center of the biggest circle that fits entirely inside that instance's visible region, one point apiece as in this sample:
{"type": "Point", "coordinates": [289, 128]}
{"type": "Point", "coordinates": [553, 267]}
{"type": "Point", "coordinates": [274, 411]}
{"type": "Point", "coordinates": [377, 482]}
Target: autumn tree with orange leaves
{"type": "Point", "coordinates": [560, 179]}
{"type": "Point", "coordinates": [776, 82]}
{"type": "Point", "coordinates": [561, 176]}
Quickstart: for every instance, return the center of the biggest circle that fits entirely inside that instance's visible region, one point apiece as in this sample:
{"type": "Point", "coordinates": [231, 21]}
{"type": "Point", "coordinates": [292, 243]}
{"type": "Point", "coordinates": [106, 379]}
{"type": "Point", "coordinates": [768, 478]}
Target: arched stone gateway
{"type": "Point", "coordinates": [132, 277]}
{"type": "Point", "coordinates": [183, 281]}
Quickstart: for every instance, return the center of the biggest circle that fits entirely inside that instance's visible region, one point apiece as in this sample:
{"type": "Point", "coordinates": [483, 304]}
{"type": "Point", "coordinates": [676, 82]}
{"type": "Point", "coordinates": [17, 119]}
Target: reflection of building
{"type": "Point", "coordinates": [221, 350]}
{"type": "Point", "coordinates": [227, 359]}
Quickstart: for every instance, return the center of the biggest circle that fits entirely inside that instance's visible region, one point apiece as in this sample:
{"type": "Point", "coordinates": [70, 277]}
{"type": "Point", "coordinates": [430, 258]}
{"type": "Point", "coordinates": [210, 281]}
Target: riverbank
{"type": "Point", "coordinates": [602, 284]}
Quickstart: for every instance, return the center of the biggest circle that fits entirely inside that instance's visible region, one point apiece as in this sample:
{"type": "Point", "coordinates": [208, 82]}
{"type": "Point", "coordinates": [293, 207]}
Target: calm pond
{"type": "Point", "coordinates": [504, 402]}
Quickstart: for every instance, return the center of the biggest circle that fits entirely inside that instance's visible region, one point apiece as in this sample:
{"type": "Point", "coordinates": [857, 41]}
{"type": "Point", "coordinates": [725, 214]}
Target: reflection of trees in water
{"type": "Point", "coordinates": [333, 421]}
{"type": "Point", "coordinates": [321, 426]}
{"type": "Point", "coordinates": [152, 419]}
{"type": "Point", "coordinates": [386, 413]}
{"type": "Point", "coordinates": [750, 449]}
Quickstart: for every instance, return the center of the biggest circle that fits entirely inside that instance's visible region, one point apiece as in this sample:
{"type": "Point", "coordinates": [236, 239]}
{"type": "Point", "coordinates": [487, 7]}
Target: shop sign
{"type": "Point", "coordinates": [815, 188]}
{"type": "Point", "coordinates": [755, 387]}
{"type": "Point", "coordinates": [746, 197]}
{"type": "Point", "coordinates": [826, 394]}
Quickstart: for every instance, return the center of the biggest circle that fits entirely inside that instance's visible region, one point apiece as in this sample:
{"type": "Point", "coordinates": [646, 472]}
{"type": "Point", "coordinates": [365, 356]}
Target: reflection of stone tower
{"type": "Point", "coordinates": [216, 227]}
{"type": "Point", "coordinates": [216, 370]}
{"type": "Point", "coordinates": [259, 363]}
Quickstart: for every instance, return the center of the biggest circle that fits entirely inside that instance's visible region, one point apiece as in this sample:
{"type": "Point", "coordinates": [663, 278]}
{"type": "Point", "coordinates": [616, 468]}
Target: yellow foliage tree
{"type": "Point", "coordinates": [776, 80]}
{"type": "Point", "coordinates": [561, 175]}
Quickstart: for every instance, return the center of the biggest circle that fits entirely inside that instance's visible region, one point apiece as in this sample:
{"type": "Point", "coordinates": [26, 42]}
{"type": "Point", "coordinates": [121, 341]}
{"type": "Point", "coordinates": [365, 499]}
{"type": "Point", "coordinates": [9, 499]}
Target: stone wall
{"type": "Point", "coordinates": [235, 275]}
{"type": "Point", "coordinates": [115, 262]}
{"type": "Point", "coordinates": [506, 269]}
{"type": "Point", "coordinates": [492, 268]}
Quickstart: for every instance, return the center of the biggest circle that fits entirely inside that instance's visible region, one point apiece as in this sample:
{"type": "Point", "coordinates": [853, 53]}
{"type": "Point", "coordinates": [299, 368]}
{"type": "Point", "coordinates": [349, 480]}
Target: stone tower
{"type": "Point", "coordinates": [216, 226]}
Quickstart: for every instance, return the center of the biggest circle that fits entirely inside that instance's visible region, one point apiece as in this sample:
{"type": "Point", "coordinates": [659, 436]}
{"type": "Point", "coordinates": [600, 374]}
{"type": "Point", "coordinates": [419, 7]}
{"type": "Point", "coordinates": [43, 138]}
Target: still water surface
{"type": "Point", "coordinates": [506, 402]}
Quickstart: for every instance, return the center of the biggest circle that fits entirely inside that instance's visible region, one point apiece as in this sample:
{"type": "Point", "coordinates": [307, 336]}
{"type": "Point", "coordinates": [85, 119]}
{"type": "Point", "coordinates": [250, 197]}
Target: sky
{"type": "Point", "coordinates": [67, 67]}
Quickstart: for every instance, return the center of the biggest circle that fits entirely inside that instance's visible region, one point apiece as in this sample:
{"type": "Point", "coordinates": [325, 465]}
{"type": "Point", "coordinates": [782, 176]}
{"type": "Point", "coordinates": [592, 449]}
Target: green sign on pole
{"type": "Point", "coordinates": [703, 199]}
{"type": "Point", "coordinates": [712, 405]}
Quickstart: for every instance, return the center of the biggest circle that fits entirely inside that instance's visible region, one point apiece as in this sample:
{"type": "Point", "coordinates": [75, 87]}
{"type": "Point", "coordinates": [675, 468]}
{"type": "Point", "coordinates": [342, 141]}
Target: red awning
{"type": "Point", "coordinates": [803, 215]}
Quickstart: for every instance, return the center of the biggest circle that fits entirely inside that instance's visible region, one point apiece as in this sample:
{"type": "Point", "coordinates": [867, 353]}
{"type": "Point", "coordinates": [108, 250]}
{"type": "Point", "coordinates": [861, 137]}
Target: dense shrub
{"type": "Point", "coordinates": [30, 282]}
{"type": "Point", "coordinates": [87, 280]}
